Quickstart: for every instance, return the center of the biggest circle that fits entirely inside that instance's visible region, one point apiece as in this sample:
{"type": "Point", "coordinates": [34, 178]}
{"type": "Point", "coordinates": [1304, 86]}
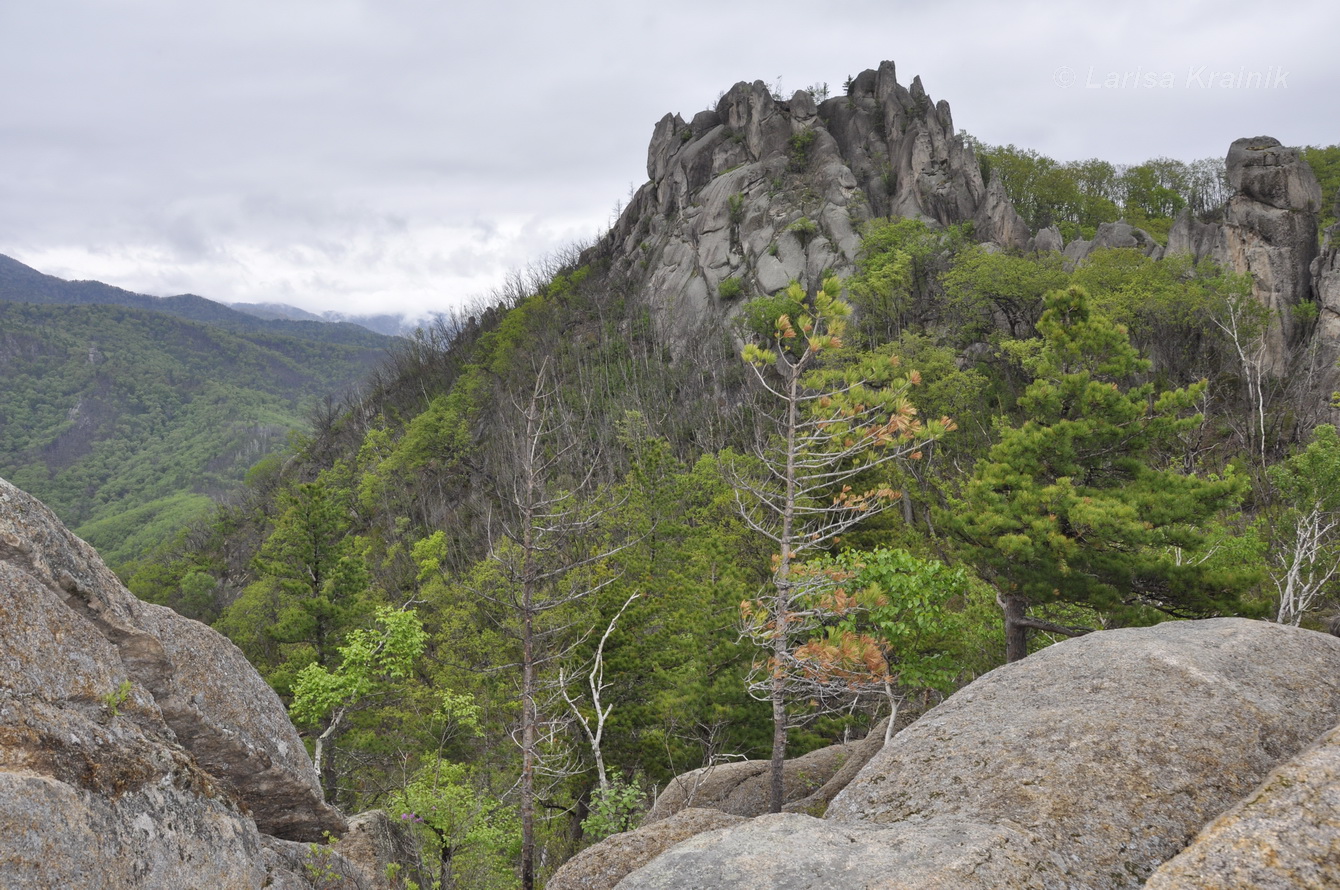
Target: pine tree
{"type": "Point", "coordinates": [835, 418]}
{"type": "Point", "coordinates": [1078, 504]}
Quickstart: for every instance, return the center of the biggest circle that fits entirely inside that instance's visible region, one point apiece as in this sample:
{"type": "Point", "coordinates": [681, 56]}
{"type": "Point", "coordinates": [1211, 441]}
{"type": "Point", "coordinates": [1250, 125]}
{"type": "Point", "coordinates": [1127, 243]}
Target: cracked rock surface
{"type": "Point", "coordinates": [137, 748]}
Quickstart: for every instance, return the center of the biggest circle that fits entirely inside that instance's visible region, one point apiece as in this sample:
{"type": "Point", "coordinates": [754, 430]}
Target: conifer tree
{"type": "Point", "coordinates": [1078, 504]}
{"type": "Point", "coordinates": [834, 418]}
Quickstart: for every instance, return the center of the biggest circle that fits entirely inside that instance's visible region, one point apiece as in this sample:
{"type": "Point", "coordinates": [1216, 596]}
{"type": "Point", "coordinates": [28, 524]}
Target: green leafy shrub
{"type": "Point", "coordinates": [730, 288]}
{"type": "Point", "coordinates": [799, 147]}
{"type": "Point", "coordinates": [735, 204]}
{"type": "Point", "coordinates": [804, 229]}
{"type": "Point", "coordinates": [615, 809]}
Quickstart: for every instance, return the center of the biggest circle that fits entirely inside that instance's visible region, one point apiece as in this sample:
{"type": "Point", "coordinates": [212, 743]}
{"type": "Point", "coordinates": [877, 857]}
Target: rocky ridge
{"type": "Point", "coordinates": [760, 191]}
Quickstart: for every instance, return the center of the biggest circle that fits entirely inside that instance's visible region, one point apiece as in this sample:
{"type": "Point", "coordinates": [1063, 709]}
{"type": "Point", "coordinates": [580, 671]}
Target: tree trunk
{"type": "Point", "coordinates": [527, 751]}
{"type": "Point", "coordinates": [778, 747]}
{"type": "Point", "coordinates": [1015, 608]}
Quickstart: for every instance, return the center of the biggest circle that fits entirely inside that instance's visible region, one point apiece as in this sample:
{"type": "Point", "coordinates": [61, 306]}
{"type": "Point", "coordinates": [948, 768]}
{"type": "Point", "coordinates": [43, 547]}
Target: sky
{"type": "Point", "coordinates": [370, 156]}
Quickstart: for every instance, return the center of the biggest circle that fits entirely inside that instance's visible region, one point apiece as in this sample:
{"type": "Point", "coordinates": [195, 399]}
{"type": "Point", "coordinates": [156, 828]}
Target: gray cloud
{"type": "Point", "coordinates": [370, 155]}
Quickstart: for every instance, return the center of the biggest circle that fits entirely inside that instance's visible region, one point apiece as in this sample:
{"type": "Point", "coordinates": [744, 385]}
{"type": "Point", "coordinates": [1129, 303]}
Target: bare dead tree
{"type": "Point", "coordinates": [543, 566]}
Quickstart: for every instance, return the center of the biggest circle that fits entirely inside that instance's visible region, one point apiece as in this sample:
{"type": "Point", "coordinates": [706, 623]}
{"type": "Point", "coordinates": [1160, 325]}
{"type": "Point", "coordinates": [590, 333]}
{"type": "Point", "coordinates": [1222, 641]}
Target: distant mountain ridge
{"type": "Point", "coordinates": [390, 324]}
{"type": "Point", "coordinates": [23, 284]}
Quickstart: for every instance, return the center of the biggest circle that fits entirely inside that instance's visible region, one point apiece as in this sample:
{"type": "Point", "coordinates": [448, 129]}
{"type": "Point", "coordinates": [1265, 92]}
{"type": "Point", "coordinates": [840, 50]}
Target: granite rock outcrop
{"type": "Point", "coordinates": [1269, 232]}
{"type": "Point", "coordinates": [766, 191]}
{"type": "Point", "coordinates": [1086, 765]}
{"type": "Point", "coordinates": [139, 748]}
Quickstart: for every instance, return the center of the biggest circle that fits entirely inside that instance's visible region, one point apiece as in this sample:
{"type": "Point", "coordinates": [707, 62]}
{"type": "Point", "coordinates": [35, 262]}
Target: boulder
{"type": "Point", "coordinates": [1086, 765]}
{"type": "Point", "coordinates": [853, 758]}
{"type": "Point", "coordinates": [290, 865]}
{"type": "Point", "coordinates": [137, 748]}
{"type": "Point", "coordinates": [1047, 240]}
{"type": "Point", "coordinates": [789, 851]}
{"type": "Point", "coordinates": [376, 844]}
{"type": "Point", "coordinates": [1112, 236]}
{"type": "Point", "coordinates": [604, 864]}
{"type": "Point", "coordinates": [743, 787]}
{"type": "Point", "coordinates": [210, 698]}
{"type": "Point", "coordinates": [1202, 240]}
{"type": "Point", "coordinates": [1285, 835]}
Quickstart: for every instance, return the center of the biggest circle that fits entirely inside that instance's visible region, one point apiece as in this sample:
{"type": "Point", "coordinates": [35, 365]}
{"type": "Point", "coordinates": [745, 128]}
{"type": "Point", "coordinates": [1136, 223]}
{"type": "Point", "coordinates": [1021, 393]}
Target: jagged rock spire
{"type": "Point", "coordinates": [765, 190]}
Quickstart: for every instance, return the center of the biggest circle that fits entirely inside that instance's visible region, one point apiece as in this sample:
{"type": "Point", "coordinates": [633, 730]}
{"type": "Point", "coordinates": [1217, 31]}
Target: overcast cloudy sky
{"type": "Point", "coordinates": [400, 155]}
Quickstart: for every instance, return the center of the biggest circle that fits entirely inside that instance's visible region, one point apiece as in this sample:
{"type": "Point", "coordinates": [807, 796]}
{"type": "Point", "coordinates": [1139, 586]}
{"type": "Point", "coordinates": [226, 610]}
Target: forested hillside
{"type": "Point", "coordinates": [575, 543]}
{"type": "Point", "coordinates": [128, 421]}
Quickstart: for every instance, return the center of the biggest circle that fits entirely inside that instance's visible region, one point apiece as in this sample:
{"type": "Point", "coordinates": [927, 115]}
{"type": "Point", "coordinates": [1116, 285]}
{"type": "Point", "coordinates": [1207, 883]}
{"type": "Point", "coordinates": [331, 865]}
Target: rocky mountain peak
{"type": "Point", "coordinates": [760, 191]}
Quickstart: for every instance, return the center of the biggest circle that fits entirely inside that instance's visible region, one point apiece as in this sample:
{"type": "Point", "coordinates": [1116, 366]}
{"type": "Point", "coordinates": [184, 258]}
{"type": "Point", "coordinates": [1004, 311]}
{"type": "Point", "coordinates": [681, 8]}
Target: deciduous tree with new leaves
{"type": "Point", "coordinates": [832, 418]}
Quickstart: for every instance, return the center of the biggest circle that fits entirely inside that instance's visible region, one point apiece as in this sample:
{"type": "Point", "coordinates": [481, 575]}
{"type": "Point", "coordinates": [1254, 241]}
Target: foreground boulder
{"type": "Point", "coordinates": [1285, 835]}
{"type": "Point", "coordinates": [716, 797]}
{"type": "Point", "coordinates": [210, 698]}
{"type": "Point", "coordinates": [137, 748]}
{"type": "Point", "coordinates": [1086, 765]}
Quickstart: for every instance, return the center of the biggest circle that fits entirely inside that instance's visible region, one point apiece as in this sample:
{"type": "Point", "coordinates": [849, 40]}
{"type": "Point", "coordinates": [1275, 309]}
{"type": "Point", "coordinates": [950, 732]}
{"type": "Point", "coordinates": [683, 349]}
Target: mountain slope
{"type": "Point", "coordinates": [109, 411]}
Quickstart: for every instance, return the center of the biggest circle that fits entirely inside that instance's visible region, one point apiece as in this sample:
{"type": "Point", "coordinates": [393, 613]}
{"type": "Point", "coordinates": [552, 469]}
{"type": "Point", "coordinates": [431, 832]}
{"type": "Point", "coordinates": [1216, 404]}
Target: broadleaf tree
{"type": "Point", "coordinates": [1305, 556]}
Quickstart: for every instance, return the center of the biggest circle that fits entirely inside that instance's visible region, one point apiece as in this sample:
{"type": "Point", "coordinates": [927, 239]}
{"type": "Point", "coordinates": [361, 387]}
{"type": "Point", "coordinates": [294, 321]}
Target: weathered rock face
{"type": "Point", "coordinates": [1086, 765]}
{"type": "Point", "coordinates": [1111, 236]}
{"type": "Point", "coordinates": [211, 699]}
{"type": "Point", "coordinates": [787, 851]}
{"type": "Point", "coordinates": [1285, 835]}
{"type": "Point", "coordinates": [768, 191]}
{"type": "Point", "coordinates": [1326, 290]}
{"type": "Point", "coordinates": [742, 788]}
{"type": "Point", "coordinates": [1269, 232]}
{"type": "Point", "coordinates": [137, 748]}
{"type": "Point", "coordinates": [602, 865]}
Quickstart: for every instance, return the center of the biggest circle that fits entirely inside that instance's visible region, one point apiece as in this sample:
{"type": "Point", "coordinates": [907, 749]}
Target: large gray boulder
{"type": "Point", "coordinates": [743, 787]}
{"type": "Point", "coordinates": [602, 865]}
{"type": "Point", "coordinates": [788, 851]}
{"type": "Point", "coordinates": [137, 748]}
{"type": "Point", "coordinates": [1086, 765]}
{"type": "Point", "coordinates": [201, 687]}
{"type": "Point", "coordinates": [1119, 235]}
{"type": "Point", "coordinates": [1284, 836]}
